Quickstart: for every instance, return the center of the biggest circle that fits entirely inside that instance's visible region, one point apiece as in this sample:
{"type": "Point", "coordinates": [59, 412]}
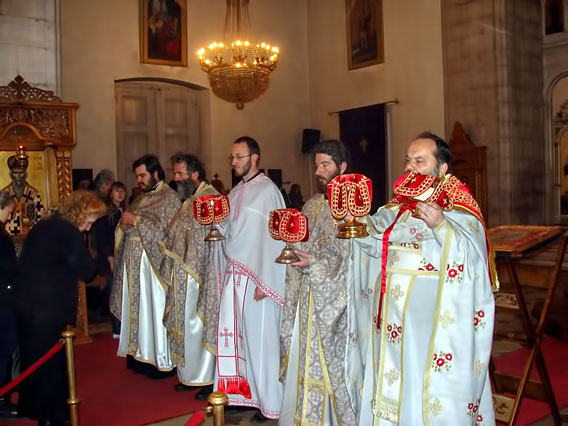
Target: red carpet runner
{"type": "Point", "coordinates": [111, 395]}
{"type": "Point", "coordinates": [555, 355]}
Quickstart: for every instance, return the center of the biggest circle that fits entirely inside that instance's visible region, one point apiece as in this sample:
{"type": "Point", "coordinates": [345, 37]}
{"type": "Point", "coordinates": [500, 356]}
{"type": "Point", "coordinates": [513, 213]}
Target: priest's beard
{"type": "Point", "coordinates": [147, 187]}
{"type": "Point", "coordinates": [185, 189]}
{"type": "Point", "coordinates": [244, 169]}
{"type": "Point", "coordinates": [322, 181]}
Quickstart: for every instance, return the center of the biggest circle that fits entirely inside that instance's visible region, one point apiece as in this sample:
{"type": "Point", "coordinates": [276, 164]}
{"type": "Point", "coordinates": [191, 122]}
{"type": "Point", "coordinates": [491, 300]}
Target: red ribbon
{"type": "Point", "coordinates": [384, 258]}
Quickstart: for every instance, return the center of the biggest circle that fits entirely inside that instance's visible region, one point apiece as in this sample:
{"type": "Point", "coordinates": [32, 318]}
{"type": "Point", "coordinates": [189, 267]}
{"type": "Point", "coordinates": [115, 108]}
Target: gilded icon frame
{"type": "Point", "coordinates": [163, 32]}
{"type": "Point", "coordinates": [364, 29]}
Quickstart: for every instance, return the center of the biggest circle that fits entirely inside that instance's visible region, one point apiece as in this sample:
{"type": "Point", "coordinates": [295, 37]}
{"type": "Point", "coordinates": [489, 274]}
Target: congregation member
{"type": "Point", "coordinates": [252, 291]}
{"type": "Point", "coordinates": [8, 276]}
{"type": "Point", "coordinates": [102, 184]}
{"type": "Point", "coordinates": [138, 296]}
{"type": "Point", "coordinates": [428, 359]}
{"type": "Point", "coordinates": [104, 234]}
{"type": "Point", "coordinates": [321, 341]}
{"type": "Point", "coordinates": [190, 272]}
{"type": "Point", "coordinates": [54, 258]}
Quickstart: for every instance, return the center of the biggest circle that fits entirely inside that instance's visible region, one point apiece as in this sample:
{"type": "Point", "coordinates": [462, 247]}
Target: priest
{"type": "Point", "coordinates": [252, 291]}
{"type": "Point", "coordinates": [326, 312]}
{"type": "Point", "coordinates": [190, 272]}
{"type": "Point", "coordinates": [139, 294]}
{"type": "Point", "coordinates": [427, 361]}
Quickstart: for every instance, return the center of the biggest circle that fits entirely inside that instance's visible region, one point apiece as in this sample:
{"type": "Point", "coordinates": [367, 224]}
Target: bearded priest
{"type": "Point", "coordinates": [138, 296]}
{"type": "Point", "coordinates": [326, 311]}
{"type": "Point", "coordinates": [252, 291]}
{"type": "Point", "coordinates": [428, 357]}
{"type": "Point", "coordinates": [190, 272]}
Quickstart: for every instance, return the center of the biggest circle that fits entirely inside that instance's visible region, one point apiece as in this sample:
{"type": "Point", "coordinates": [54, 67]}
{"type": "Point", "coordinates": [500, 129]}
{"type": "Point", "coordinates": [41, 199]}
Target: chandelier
{"type": "Point", "coordinates": [238, 69]}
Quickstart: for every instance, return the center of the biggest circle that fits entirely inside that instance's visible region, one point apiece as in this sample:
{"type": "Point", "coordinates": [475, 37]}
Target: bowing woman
{"type": "Point", "coordinates": [54, 258]}
{"type": "Point", "coordinates": [8, 271]}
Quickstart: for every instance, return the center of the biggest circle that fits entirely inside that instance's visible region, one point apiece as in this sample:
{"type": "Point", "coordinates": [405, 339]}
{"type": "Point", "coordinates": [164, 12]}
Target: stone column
{"type": "Point", "coordinates": [493, 85]}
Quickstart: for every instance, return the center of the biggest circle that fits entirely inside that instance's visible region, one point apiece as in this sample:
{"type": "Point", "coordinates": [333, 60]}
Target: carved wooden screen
{"type": "Point", "coordinates": [45, 126]}
{"type": "Point", "coordinates": [469, 165]}
{"type": "Point", "coordinates": [40, 122]}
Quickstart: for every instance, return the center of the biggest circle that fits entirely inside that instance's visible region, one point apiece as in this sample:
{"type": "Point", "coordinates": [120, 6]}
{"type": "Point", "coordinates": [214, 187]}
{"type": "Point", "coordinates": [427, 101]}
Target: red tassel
{"type": "Point", "coordinates": [221, 385]}
{"type": "Point", "coordinates": [244, 388]}
{"type": "Point", "coordinates": [232, 387]}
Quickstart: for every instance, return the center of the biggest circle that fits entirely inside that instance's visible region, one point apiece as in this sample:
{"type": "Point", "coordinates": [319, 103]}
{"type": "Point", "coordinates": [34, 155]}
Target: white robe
{"type": "Point", "coordinates": [325, 327]}
{"type": "Point", "coordinates": [138, 296]}
{"type": "Point", "coordinates": [190, 271]}
{"type": "Point", "coordinates": [427, 365]}
{"type": "Point", "coordinates": [249, 331]}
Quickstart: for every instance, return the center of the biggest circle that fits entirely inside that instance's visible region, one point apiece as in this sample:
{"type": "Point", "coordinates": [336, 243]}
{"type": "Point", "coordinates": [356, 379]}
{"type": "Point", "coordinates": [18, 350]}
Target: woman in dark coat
{"type": "Point", "coordinates": [8, 270]}
{"type": "Point", "coordinates": [54, 257]}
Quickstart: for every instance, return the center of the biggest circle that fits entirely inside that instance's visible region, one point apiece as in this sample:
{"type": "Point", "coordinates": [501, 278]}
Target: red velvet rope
{"type": "Point", "coordinates": [196, 419]}
{"type": "Point", "coordinates": [32, 368]}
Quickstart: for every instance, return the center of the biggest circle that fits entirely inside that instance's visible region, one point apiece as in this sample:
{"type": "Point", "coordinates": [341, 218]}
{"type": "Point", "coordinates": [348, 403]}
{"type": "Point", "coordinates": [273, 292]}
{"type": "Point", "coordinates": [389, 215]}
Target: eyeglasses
{"type": "Point", "coordinates": [238, 157]}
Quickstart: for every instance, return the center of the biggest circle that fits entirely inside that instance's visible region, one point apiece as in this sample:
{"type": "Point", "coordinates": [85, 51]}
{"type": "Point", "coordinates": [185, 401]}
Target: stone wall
{"type": "Point", "coordinates": [493, 85]}
{"type": "Point", "coordinates": [29, 42]}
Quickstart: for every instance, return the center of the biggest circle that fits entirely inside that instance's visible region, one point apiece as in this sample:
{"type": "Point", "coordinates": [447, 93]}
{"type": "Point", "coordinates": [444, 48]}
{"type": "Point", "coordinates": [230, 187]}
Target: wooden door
{"type": "Point", "coordinates": [177, 126]}
{"type": "Point", "coordinates": [135, 128]}
{"type": "Point", "coordinates": [154, 118]}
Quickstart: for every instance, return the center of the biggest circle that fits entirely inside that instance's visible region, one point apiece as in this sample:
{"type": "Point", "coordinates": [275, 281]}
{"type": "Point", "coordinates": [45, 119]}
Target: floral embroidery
{"type": "Point", "coordinates": [478, 367]}
{"type": "Point", "coordinates": [353, 338]}
{"type": "Point", "coordinates": [454, 272]}
{"type": "Point", "coordinates": [442, 361]}
{"type": "Point", "coordinates": [472, 408]}
{"type": "Point", "coordinates": [427, 266]}
{"type": "Point", "coordinates": [417, 233]}
{"type": "Point", "coordinates": [397, 292]}
{"type": "Point", "coordinates": [473, 226]}
{"type": "Point", "coordinates": [414, 246]}
{"type": "Point", "coordinates": [478, 321]}
{"type": "Point", "coordinates": [394, 333]}
{"type": "Point", "coordinates": [479, 420]}
{"type": "Point", "coordinates": [391, 376]}
{"type": "Point", "coordinates": [366, 294]}
{"type": "Point", "coordinates": [393, 258]}
{"type": "Point", "coordinates": [435, 407]}
{"type": "Point", "coordinates": [446, 319]}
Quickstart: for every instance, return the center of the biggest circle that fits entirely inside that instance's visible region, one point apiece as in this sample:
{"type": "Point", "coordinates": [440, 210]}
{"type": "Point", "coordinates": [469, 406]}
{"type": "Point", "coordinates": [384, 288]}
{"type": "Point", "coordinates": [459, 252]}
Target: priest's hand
{"type": "Point", "coordinates": [431, 213]}
{"type": "Point", "coordinates": [259, 294]}
{"type": "Point", "coordinates": [127, 220]}
{"type": "Point", "coordinates": [304, 261]}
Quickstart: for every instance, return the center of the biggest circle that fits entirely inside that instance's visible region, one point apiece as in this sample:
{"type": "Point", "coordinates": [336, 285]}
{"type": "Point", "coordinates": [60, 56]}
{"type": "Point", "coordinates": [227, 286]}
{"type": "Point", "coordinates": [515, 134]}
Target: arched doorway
{"type": "Point", "coordinates": [559, 108]}
{"type": "Point", "coordinates": [156, 116]}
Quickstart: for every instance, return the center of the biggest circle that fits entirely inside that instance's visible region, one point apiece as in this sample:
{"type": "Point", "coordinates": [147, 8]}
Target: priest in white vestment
{"type": "Point", "coordinates": [427, 361]}
{"type": "Point", "coordinates": [138, 296]}
{"type": "Point", "coordinates": [190, 270]}
{"type": "Point", "coordinates": [253, 290]}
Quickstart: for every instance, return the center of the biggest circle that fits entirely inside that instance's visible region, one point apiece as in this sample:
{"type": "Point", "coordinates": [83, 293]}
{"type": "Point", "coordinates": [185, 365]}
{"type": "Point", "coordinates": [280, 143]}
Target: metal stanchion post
{"type": "Point", "coordinates": [217, 401]}
{"type": "Point", "coordinates": [73, 401]}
